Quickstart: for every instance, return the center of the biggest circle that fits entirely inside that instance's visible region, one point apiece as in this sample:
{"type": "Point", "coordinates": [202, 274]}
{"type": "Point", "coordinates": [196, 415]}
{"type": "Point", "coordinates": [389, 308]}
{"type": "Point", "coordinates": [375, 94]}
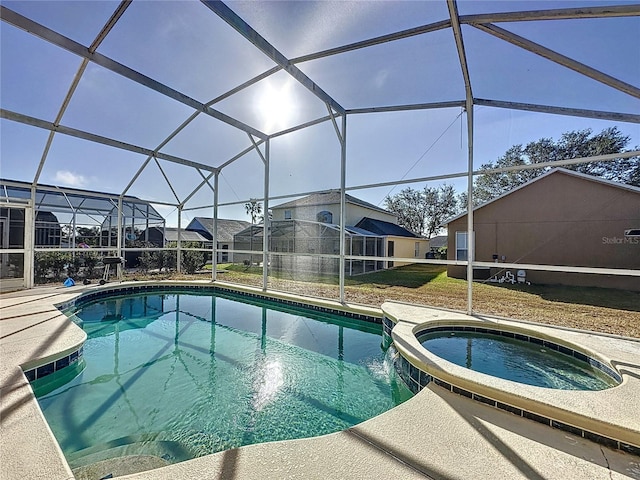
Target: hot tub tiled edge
{"type": "Point", "coordinates": [419, 368]}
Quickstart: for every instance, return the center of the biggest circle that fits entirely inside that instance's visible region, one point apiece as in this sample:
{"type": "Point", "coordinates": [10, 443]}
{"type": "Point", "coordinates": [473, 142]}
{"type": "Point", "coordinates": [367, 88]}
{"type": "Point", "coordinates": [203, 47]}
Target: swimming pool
{"type": "Point", "coordinates": [524, 360]}
{"type": "Point", "coordinates": [179, 375]}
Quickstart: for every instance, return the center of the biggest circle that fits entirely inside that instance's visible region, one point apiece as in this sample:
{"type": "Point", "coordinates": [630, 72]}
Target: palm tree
{"type": "Point", "coordinates": [253, 209]}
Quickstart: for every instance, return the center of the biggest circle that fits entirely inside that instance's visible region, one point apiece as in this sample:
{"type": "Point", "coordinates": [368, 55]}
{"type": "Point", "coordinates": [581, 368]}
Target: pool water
{"type": "Point", "coordinates": [181, 375]}
{"type": "Point", "coordinates": [516, 360]}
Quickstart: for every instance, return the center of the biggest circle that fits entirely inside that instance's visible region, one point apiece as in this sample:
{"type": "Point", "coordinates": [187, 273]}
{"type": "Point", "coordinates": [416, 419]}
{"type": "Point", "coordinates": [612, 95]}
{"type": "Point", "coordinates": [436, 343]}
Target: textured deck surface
{"type": "Point", "coordinates": [436, 434]}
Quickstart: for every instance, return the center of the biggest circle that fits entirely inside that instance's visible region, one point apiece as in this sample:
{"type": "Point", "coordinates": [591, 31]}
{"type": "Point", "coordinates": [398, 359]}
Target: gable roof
{"type": "Point", "coordinates": [171, 235]}
{"type": "Point", "coordinates": [565, 171]}
{"type": "Point", "coordinates": [438, 241]}
{"type": "Point", "coordinates": [359, 231]}
{"type": "Point", "coordinates": [328, 198]}
{"type": "Point", "coordinates": [255, 230]}
{"type": "Point", "coordinates": [227, 228]}
{"type": "Point", "coordinates": [384, 228]}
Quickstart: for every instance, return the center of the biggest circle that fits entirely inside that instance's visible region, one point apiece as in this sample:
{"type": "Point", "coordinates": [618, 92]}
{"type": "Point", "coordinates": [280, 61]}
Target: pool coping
{"type": "Point", "coordinates": [33, 331]}
{"type": "Point", "coordinates": [609, 416]}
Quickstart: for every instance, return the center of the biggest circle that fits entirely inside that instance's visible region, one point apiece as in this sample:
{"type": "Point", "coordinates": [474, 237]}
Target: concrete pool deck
{"type": "Point", "coordinates": [436, 434]}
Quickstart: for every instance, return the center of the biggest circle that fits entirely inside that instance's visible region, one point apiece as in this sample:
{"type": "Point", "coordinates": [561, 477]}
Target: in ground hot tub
{"type": "Point", "coordinates": [517, 357]}
{"type": "Point", "coordinates": [567, 379]}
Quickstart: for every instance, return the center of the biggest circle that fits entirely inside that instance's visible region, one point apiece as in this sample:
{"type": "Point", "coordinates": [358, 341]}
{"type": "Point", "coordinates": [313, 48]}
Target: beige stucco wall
{"type": "Point", "coordinates": [405, 247]}
{"type": "Point", "coordinates": [560, 219]}
{"type": "Point", "coordinates": [355, 213]}
{"type": "Point", "coordinates": [306, 212]}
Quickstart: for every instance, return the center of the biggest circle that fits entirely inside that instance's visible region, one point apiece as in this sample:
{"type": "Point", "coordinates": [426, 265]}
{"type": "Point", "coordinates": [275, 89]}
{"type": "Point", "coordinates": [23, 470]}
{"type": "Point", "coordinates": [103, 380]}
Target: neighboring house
{"type": "Point", "coordinates": [227, 229]}
{"type": "Point", "coordinates": [325, 208]}
{"type": "Point", "coordinates": [399, 241]}
{"type": "Point", "coordinates": [162, 237]}
{"type": "Point", "coordinates": [48, 231]}
{"type": "Point", "coordinates": [311, 225]}
{"type": "Point", "coordinates": [436, 246]}
{"type": "Point", "coordinates": [166, 237]}
{"type": "Point", "coordinates": [560, 218]}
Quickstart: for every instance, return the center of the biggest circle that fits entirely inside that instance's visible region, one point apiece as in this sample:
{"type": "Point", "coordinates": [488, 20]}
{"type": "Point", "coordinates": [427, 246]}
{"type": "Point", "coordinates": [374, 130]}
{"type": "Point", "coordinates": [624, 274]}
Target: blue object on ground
{"type": "Point", "coordinates": [69, 282]}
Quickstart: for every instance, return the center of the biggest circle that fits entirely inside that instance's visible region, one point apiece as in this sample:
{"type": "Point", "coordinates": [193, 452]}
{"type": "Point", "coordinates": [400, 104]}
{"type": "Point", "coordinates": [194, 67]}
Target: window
{"type": "Point", "coordinates": [416, 252]}
{"type": "Point", "coordinates": [287, 214]}
{"type": "Point", "coordinates": [324, 217]}
{"type": "Point", "coordinates": [462, 246]}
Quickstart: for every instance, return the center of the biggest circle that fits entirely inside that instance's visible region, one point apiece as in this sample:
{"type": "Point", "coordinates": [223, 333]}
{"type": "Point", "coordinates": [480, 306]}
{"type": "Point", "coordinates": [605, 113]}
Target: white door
{"type": "Point", "coordinates": [4, 240]}
{"type": "Point", "coordinates": [14, 225]}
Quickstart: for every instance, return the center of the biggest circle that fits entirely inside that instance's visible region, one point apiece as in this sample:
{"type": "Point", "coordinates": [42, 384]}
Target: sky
{"type": "Point", "coordinates": [187, 47]}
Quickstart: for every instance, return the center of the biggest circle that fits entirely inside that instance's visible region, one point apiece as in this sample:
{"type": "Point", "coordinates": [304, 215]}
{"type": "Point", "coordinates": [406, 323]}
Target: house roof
{"type": "Point", "coordinates": [564, 171]}
{"type": "Point", "coordinates": [257, 229]}
{"type": "Point", "coordinates": [171, 235]}
{"type": "Point", "coordinates": [226, 228]}
{"type": "Point", "coordinates": [380, 227]}
{"type": "Point", "coordinates": [438, 241]}
{"type": "Point", "coordinates": [328, 198]}
{"type": "Point", "coordinates": [360, 231]}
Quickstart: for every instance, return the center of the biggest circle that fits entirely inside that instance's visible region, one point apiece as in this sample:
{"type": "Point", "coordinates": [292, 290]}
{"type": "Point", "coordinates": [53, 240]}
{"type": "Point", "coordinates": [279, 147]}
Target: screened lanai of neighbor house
{"type": "Point", "coordinates": [224, 105]}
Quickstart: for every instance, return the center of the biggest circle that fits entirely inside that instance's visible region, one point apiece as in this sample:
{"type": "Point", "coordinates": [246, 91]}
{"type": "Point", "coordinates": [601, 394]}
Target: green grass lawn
{"type": "Point", "coordinates": [432, 278]}
{"type": "Point", "coordinates": [598, 309]}
{"type": "Point", "coordinates": [408, 276]}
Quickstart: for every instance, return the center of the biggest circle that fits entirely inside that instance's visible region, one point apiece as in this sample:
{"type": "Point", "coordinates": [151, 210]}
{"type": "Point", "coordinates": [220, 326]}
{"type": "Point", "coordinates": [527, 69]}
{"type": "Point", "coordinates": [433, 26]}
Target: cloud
{"type": "Point", "coordinates": [70, 179]}
{"type": "Point", "coordinates": [381, 78]}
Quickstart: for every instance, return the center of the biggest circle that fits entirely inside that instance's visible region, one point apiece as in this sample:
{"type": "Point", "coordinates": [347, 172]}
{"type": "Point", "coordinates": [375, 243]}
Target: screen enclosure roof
{"type": "Point", "coordinates": [155, 99]}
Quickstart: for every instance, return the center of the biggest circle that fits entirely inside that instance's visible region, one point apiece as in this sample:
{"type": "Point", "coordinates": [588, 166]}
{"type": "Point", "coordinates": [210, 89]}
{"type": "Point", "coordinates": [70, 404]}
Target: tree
{"type": "Point", "coordinates": [159, 259]}
{"type": "Point", "coordinates": [90, 261]}
{"type": "Point", "coordinates": [88, 235]}
{"type": "Point", "coordinates": [408, 206]}
{"type": "Point", "coordinates": [441, 204]}
{"type": "Point", "coordinates": [423, 211]}
{"type": "Point", "coordinates": [253, 209]}
{"type": "Point", "coordinates": [192, 260]}
{"type": "Point", "coordinates": [576, 144]}
{"type": "Point", "coordinates": [261, 216]}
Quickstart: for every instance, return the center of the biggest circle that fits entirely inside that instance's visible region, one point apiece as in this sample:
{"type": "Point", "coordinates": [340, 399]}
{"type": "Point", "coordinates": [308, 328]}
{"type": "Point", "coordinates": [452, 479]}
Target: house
{"type": "Point", "coordinates": [163, 237]}
{"type": "Point", "coordinates": [362, 219]}
{"type": "Point", "coordinates": [325, 208]}
{"type": "Point", "coordinates": [311, 226]}
{"type": "Point", "coordinates": [48, 232]}
{"type": "Point", "coordinates": [399, 241]}
{"type": "Point", "coordinates": [560, 218]}
{"type": "Point", "coordinates": [437, 245]}
{"type": "Point", "coordinates": [227, 229]}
